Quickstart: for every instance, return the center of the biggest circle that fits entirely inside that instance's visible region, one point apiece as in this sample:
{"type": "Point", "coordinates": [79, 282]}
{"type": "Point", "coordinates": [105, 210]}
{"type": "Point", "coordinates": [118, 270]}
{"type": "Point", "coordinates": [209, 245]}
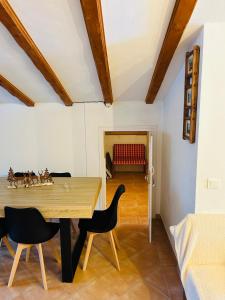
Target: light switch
{"type": "Point", "coordinates": [213, 183]}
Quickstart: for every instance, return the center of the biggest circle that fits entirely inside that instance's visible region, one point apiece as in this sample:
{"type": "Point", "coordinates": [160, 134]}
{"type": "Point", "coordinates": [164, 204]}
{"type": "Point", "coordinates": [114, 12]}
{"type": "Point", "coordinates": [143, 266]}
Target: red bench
{"type": "Point", "coordinates": [129, 154]}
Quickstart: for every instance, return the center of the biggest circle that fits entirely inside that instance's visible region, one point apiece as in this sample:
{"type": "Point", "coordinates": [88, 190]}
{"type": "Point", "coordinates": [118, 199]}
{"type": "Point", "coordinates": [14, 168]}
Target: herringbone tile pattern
{"type": "Point", "coordinates": [147, 271]}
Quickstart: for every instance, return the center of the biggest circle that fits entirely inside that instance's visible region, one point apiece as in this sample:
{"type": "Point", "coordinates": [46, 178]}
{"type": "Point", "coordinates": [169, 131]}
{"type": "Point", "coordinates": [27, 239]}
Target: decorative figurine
{"type": "Point", "coordinates": [29, 179]}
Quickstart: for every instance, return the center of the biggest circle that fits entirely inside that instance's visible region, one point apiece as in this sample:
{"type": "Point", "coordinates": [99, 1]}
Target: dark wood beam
{"type": "Point", "coordinates": [15, 91]}
{"type": "Point", "coordinates": [181, 15]}
{"type": "Point", "coordinates": [92, 13]}
{"type": "Point", "coordinates": [10, 20]}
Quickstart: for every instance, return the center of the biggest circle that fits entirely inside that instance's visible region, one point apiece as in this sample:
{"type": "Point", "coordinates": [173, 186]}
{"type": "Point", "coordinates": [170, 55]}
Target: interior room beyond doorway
{"type": "Point", "coordinates": [133, 207]}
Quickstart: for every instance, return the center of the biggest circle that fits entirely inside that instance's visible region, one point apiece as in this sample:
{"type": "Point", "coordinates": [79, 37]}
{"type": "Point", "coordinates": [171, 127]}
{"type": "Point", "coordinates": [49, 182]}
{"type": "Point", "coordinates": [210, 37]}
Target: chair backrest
{"type": "Point", "coordinates": [112, 209]}
{"type": "Point", "coordinates": [108, 160]}
{"type": "Point", "coordinates": [64, 174]}
{"type": "Point", "coordinates": [25, 225]}
{"type": "Point", "coordinates": [22, 174]}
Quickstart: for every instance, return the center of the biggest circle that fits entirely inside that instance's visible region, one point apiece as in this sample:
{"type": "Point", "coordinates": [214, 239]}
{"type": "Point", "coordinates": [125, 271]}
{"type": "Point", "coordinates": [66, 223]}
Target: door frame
{"type": "Point", "coordinates": [151, 129]}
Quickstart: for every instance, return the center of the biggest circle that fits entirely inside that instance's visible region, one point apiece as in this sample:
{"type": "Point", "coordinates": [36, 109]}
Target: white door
{"type": "Point", "coordinates": [150, 173]}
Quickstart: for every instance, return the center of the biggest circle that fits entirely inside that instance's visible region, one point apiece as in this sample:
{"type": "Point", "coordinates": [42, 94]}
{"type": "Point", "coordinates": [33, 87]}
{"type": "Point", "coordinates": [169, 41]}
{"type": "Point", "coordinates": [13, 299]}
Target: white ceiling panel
{"type": "Point", "coordinates": [134, 30]}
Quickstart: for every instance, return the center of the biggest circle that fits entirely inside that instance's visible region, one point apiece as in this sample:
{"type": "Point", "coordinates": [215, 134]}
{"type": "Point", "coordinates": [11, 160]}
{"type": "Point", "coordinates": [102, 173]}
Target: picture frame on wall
{"type": "Point", "coordinates": [191, 94]}
{"type": "Point", "coordinates": [188, 113]}
{"type": "Point", "coordinates": [187, 127]}
{"type": "Point", "coordinates": [190, 64]}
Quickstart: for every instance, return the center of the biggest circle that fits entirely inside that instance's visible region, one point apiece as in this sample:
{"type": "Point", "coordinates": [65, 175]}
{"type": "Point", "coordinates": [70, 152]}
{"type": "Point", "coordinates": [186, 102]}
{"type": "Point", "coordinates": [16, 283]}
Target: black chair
{"type": "Point", "coordinates": [101, 222]}
{"type": "Point", "coordinates": [27, 227]}
{"type": "Point", "coordinates": [21, 174]}
{"type": "Point", "coordinates": [3, 237]}
{"type": "Point", "coordinates": [64, 174]}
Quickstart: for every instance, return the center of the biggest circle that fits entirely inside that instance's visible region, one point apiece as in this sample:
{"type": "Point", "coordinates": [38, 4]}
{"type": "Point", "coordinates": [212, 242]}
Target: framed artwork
{"type": "Point", "coordinates": [187, 127]}
{"type": "Point", "coordinates": [189, 97]}
{"type": "Point", "coordinates": [191, 94]}
{"type": "Point", "coordinates": [190, 63]}
{"type": "Point", "coordinates": [187, 113]}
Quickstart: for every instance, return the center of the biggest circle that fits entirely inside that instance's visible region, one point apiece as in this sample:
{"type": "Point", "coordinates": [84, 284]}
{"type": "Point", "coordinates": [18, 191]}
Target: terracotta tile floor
{"type": "Point", "coordinates": [147, 271]}
{"type": "Point", "coordinates": [133, 205]}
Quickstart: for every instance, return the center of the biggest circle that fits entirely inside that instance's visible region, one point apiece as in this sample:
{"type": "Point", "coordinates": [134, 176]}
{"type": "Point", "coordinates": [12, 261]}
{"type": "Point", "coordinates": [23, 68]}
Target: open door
{"type": "Point", "coordinates": [149, 177]}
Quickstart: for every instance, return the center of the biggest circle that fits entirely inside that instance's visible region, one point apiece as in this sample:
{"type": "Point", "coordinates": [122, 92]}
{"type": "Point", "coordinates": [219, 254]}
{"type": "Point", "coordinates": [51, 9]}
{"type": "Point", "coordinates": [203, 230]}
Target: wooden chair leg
{"type": "Point", "coordinates": [90, 240]}
{"type": "Point", "coordinates": [116, 239]}
{"type": "Point", "coordinates": [114, 249]}
{"type": "Point", "coordinates": [41, 259]}
{"type": "Point", "coordinates": [8, 246]}
{"type": "Point", "coordinates": [28, 254]}
{"type": "Point", "coordinates": [19, 249]}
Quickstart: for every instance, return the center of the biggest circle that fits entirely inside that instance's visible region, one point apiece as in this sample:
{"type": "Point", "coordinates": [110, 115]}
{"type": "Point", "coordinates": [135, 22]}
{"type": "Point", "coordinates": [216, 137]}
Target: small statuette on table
{"type": "Point", "coordinates": [29, 179]}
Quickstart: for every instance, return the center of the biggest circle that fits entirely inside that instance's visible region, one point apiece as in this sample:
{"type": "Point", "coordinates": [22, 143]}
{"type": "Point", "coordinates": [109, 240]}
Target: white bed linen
{"type": "Point", "coordinates": [205, 282]}
{"type": "Point", "coordinates": [200, 244]}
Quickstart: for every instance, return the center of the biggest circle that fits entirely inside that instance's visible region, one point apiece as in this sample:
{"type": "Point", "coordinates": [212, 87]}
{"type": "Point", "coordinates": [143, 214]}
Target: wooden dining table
{"type": "Point", "coordinates": [66, 199]}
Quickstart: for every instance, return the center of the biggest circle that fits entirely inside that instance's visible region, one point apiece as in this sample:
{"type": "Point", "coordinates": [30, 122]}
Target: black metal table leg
{"type": "Point", "coordinates": [66, 256]}
{"type": "Point", "coordinates": [70, 260]}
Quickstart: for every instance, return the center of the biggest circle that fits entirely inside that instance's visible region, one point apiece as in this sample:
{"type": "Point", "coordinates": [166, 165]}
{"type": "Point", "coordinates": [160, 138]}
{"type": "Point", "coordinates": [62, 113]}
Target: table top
{"type": "Point", "coordinates": [74, 197]}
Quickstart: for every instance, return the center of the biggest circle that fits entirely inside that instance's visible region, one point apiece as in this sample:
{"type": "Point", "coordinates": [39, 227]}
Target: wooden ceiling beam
{"type": "Point", "coordinates": [180, 17]}
{"type": "Point", "coordinates": [10, 20]}
{"type": "Point", "coordinates": [92, 12]}
{"type": "Point", "coordinates": [15, 91]}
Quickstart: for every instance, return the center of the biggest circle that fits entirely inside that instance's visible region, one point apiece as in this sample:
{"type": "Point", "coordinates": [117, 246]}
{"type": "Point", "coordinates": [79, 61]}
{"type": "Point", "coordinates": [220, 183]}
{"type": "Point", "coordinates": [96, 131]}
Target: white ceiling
{"type": "Point", "coordinates": [134, 33]}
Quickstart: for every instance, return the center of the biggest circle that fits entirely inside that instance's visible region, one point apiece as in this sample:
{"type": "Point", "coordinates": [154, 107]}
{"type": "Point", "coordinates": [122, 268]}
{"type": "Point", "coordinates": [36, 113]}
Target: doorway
{"type": "Point", "coordinates": [135, 206]}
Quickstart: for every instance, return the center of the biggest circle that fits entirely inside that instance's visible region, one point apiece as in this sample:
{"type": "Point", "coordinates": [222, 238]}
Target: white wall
{"type": "Point", "coordinates": [69, 138]}
{"type": "Point", "coordinates": [186, 168]}
{"type": "Point", "coordinates": [179, 157]}
{"type": "Point", "coordinates": [211, 148]}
